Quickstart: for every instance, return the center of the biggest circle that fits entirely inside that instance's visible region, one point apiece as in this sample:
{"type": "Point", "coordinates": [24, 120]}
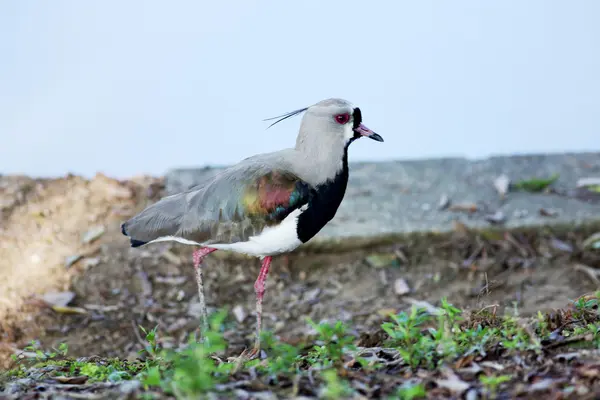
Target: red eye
{"type": "Point", "coordinates": [342, 118]}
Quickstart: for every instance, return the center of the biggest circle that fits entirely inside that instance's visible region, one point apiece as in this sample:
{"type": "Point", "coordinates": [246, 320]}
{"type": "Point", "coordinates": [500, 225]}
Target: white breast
{"type": "Point", "coordinates": [271, 241]}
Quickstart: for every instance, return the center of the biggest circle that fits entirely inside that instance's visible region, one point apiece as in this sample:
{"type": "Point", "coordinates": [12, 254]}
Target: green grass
{"type": "Point", "coordinates": [535, 184]}
{"type": "Point", "coordinates": [425, 341]}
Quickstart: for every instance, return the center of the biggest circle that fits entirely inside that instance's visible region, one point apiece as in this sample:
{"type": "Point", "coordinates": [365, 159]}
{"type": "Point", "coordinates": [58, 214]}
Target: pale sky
{"type": "Point", "coordinates": [131, 87]}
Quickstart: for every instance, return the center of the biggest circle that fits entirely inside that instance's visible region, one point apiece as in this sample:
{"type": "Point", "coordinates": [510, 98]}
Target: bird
{"type": "Point", "coordinates": [265, 205]}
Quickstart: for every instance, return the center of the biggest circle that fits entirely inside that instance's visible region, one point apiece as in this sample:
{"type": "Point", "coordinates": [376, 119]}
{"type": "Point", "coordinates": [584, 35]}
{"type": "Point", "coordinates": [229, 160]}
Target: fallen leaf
{"type": "Point", "coordinates": [70, 260]}
{"type": "Point", "coordinates": [101, 308]}
{"type": "Point", "coordinates": [463, 362]}
{"type": "Point", "coordinates": [423, 304]}
{"type": "Point", "coordinates": [93, 234]}
{"type": "Point", "coordinates": [464, 207]}
{"type": "Point", "coordinates": [171, 280]}
{"type": "Point", "coordinates": [589, 371]}
{"type": "Point", "coordinates": [491, 364]}
{"type": "Point", "coordinates": [548, 212]}
{"type": "Point", "coordinates": [541, 385]}
{"type": "Point", "coordinates": [69, 310]}
{"type": "Point", "coordinates": [560, 245]}
{"type": "Point", "coordinates": [380, 260]}
{"type": "Point", "coordinates": [385, 312]}
{"type": "Point", "coordinates": [592, 242]}
{"type": "Point", "coordinates": [452, 382]}
{"type": "Point", "coordinates": [72, 380]}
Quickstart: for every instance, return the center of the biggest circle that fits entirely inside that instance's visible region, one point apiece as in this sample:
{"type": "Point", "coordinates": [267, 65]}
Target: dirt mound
{"type": "Point", "coordinates": [50, 229]}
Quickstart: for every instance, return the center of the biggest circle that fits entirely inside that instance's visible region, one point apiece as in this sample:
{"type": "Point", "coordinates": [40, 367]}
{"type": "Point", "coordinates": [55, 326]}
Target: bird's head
{"type": "Point", "coordinates": [331, 121]}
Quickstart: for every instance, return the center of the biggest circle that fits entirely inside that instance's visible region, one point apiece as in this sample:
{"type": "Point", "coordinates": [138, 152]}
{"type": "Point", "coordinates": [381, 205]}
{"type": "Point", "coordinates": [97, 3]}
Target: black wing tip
{"type": "Point", "coordinates": [137, 243]}
{"type": "Point", "coordinates": [134, 242]}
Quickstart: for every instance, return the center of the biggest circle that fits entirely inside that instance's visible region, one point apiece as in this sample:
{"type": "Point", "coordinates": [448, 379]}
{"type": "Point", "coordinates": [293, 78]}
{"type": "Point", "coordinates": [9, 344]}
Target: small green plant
{"type": "Point", "coordinates": [411, 391]}
{"type": "Point", "coordinates": [491, 383]}
{"type": "Point", "coordinates": [151, 348]}
{"type": "Point", "coordinates": [283, 358]}
{"type": "Point", "coordinates": [335, 388]}
{"type": "Point", "coordinates": [102, 373]}
{"type": "Point", "coordinates": [43, 355]}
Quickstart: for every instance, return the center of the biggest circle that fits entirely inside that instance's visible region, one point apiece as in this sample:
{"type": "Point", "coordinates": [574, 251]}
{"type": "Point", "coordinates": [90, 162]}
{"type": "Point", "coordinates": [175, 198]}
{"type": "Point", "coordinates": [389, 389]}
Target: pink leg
{"type": "Point", "coordinates": [198, 256]}
{"type": "Point", "coordinates": [259, 288]}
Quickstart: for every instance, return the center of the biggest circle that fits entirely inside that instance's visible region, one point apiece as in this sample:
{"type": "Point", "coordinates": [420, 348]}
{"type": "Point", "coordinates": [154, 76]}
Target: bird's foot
{"type": "Point", "coordinates": [247, 355]}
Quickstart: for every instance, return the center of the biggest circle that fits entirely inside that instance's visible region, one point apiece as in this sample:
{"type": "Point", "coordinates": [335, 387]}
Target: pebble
{"type": "Point", "coordinates": [444, 202]}
{"type": "Point", "coordinates": [311, 295]}
{"type": "Point", "coordinates": [401, 287]}
{"type": "Point", "coordinates": [93, 234]}
{"type": "Point", "coordinates": [502, 184]}
{"type": "Point", "coordinates": [496, 218]}
{"type": "Point", "coordinates": [91, 262]}
{"type": "Point", "coordinates": [194, 310]}
{"type": "Point", "coordinates": [519, 214]}
{"type": "Point", "coordinates": [548, 212]}
{"type": "Point", "coordinates": [61, 299]}
{"type": "Point", "coordinates": [590, 181]}
{"type": "Point", "coordinates": [129, 387]}
{"type": "Point", "coordinates": [239, 313]}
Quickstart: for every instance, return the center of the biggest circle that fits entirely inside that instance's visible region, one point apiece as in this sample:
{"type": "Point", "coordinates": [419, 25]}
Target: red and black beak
{"type": "Point", "coordinates": [364, 131]}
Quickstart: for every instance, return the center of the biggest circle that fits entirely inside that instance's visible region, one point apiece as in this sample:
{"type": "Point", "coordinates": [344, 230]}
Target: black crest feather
{"type": "Point", "coordinates": [285, 116]}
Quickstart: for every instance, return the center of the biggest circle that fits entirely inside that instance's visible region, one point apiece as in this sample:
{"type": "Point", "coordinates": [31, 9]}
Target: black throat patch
{"type": "Point", "coordinates": [323, 203]}
{"type": "Point", "coordinates": [325, 199]}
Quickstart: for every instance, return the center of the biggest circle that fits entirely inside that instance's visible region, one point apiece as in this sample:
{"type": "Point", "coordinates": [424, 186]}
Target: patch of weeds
{"type": "Point", "coordinates": [192, 371]}
{"type": "Point", "coordinates": [535, 184]}
{"type": "Point", "coordinates": [405, 335]}
{"type": "Point", "coordinates": [283, 358]}
{"type": "Point", "coordinates": [427, 347]}
{"type": "Point", "coordinates": [332, 341]}
{"type": "Point", "coordinates": [422, 345]}
{"type": "Point", "coordinates": [34, 356]}
{"type": "Point", "coordinates": [113, 371]}
{"type": "Point", "coordinates": [33, 352]}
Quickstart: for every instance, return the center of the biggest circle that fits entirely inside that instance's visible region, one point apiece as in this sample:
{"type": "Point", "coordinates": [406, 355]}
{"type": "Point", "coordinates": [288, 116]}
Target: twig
{"type": "Point", "coordinates": [589, 271]}
{"type": "Point", "coordinates": [136, 330]}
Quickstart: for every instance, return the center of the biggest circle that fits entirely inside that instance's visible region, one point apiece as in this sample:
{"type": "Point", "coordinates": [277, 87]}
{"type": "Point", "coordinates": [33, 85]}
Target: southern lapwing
{"type": "Point", "coordinates": [265, 205]}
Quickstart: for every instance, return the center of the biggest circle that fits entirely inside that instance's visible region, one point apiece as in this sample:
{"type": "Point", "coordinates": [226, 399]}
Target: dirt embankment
{"type": "Point", "coordinates": [61, 247]}
{"type": "Point", "coordinates": [50, 231]}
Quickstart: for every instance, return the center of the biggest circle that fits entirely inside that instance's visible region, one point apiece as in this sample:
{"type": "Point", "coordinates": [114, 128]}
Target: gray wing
{"type": "Point", "coordinates": [235, 204]}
